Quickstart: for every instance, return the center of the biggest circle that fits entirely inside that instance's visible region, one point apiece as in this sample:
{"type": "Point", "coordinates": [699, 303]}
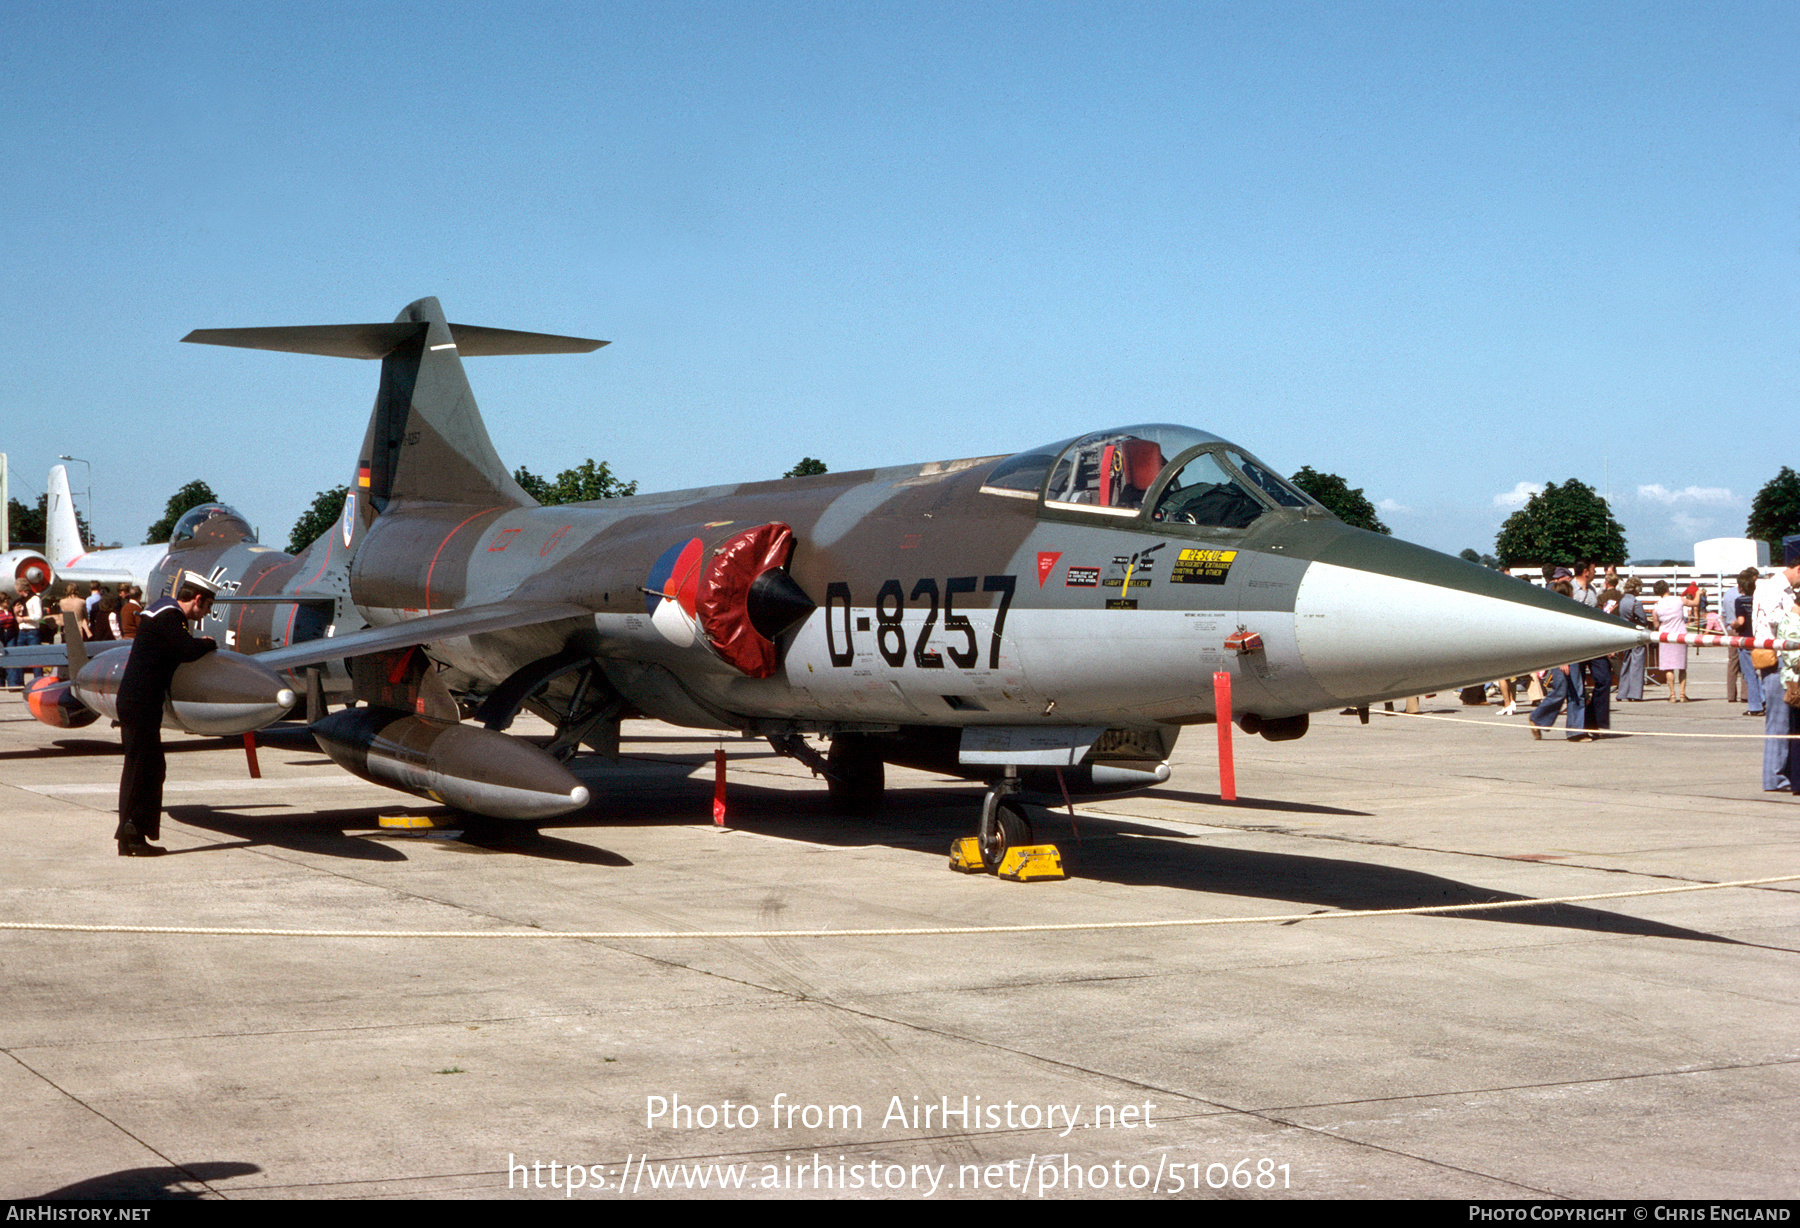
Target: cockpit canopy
{"type": "Point", "coordinates": [211, 523]}
{"type": "Point", "coordinates": [1155, 472]}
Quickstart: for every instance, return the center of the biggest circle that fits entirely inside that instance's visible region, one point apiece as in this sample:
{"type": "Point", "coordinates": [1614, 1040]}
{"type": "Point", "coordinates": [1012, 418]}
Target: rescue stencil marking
{"type": "Point", "coordinates": [1202, 566]}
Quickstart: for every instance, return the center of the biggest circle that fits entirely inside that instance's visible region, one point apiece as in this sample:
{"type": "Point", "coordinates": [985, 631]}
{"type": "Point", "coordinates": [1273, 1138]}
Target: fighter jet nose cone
{"type": "Point", "coordinates": [1378, 618]}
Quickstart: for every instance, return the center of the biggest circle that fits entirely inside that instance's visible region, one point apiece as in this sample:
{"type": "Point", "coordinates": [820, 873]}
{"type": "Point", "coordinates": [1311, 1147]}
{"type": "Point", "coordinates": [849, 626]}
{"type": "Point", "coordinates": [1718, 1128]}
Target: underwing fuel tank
{"type": "Point", "coordinates": [224, 693]}
{"type": "Point", "coordinates": [465, 766]}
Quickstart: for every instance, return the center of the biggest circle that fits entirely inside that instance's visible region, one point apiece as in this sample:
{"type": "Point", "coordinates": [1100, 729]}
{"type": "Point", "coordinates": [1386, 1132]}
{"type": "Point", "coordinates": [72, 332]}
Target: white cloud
{"type": "Point", "coordinates": [1517, 495]}
{"type": "Point", "coordinates": [1687, 494]}
{"type": "Point", "coordinates": [1392, 505]}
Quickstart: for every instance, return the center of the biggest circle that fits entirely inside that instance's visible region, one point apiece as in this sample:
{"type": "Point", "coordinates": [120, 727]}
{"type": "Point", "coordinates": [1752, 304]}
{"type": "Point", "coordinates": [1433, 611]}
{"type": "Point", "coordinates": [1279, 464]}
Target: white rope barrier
{"type": "Point", "coordinates": [1068, 927]}
{"type": "Point", "coordinates": [1611, 733]}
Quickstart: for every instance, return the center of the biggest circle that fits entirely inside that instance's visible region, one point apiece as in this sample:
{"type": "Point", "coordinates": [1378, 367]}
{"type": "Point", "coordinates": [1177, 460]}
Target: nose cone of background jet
{"type": "Point", "coordinates": [1377, 619]}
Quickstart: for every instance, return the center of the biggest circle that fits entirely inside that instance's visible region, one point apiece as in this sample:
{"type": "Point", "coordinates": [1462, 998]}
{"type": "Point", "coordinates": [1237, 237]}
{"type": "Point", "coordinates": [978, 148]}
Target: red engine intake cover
{"type": "Point", "coordinates": [724, 603]}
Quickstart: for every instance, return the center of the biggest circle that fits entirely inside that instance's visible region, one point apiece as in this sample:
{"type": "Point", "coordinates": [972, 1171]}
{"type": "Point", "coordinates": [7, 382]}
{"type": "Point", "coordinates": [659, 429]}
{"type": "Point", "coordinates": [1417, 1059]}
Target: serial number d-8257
{"type": "Point", "coordinates": [961, 644]}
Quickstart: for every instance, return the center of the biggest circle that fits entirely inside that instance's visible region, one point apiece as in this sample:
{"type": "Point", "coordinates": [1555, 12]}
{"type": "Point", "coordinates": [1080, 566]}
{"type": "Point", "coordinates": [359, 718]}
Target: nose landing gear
{"type": "Point", "coordinates": [1004, 824]}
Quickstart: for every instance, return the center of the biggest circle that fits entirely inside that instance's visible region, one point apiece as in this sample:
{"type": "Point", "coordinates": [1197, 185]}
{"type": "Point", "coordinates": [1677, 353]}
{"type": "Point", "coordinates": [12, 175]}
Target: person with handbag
{"type": "Point", "coordinates": [1790, 669]}
{"type": "Point", "coordinates": [1773, 602]}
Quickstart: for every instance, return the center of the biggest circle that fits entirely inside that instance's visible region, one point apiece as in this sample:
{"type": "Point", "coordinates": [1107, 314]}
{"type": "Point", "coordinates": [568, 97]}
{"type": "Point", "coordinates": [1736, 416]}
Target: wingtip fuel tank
{"type": "Point", "coordinates": [223, 693]}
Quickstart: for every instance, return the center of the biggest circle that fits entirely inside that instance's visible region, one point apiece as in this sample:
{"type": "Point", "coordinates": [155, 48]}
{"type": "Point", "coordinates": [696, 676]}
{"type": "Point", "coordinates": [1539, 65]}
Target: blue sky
{"type": "Point", "coordinates": [1447, 251]}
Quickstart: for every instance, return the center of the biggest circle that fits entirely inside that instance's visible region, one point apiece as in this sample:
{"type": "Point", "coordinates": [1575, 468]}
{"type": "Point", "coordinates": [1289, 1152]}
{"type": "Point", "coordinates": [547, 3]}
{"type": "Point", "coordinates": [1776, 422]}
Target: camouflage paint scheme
{"type": "Point", "coordinates": [924, 599]}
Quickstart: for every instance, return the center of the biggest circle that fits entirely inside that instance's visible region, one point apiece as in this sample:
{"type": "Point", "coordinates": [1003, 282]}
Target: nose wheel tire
{"type": "Point", "coordinates": [1003, 826]}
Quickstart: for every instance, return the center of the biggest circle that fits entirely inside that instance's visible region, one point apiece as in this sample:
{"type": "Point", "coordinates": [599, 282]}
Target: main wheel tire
{"type": "Point", "coordinates": [858, 777]}
{"type": "Point", "coordinates": [1003, 826]}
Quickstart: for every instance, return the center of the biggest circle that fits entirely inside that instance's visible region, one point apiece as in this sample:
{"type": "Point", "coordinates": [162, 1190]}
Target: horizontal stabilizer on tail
{"type": "Point", "coordinates": [380, 340]}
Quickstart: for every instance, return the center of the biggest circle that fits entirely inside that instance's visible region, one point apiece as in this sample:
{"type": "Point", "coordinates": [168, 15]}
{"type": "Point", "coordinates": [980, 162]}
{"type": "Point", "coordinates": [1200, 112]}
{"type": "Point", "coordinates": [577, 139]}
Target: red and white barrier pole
{"type": "Point", "coordinates": [1222, 703]}
{"type": "Point", "coordinates": [1707, 639]}
{"type": "Point", "coordinates": [719, 788]}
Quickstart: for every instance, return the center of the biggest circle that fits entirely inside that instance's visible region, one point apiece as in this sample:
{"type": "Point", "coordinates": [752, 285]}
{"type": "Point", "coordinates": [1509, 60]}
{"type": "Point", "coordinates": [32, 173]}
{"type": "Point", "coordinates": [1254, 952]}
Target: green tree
{"type": "Point", "coordinates": [1471, 555]}
{"type": "Point", "coordinates": [317, 520]}
{"type": "Point", "coordinates": [1350, 506]}
{"type": "Point", "coordinates": [27, 524]}
{"type": "Point", "coordinates": [186, 499]}
{"type": "Point", "coordinates": [1775, 512]}
{"type": "Point", "coordinates": [807, 467]}
{"type": "Point", "coordinates": [1560, 525]}
{"type": "Point", "coordinates": [586, 482]}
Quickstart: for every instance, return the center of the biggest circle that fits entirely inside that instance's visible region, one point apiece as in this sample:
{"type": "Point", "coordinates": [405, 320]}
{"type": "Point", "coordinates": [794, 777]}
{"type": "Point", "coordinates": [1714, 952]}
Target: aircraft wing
{"type": "Point", "coordinates": [426, 629]}
{"type": "Point", "coordinates": [102, 570]}
{"type": "Point", "coordinates": [49, 656]}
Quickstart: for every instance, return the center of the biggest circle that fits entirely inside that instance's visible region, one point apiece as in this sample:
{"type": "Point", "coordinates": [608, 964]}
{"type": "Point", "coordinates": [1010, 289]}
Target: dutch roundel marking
{"type": "Point", "coordinates": [675, 575]}
{"type": "Point", "coordinates": [671, 592]}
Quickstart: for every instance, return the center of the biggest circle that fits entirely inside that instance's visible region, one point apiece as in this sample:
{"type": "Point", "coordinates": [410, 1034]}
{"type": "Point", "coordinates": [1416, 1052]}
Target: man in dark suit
{"type": "Point", "coordinates": [162, 645]}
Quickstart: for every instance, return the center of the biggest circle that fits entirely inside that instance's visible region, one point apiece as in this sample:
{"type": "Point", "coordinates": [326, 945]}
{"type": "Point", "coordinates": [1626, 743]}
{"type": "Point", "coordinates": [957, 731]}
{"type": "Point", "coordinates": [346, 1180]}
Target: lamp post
{"type": "Point", "coordinates": [90, 495]}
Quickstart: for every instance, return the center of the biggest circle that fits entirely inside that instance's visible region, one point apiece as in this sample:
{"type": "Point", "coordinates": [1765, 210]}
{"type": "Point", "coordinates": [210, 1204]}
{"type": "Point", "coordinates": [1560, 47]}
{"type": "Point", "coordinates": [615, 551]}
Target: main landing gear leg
{"type": "Point", "coordinates": [1003, 821]}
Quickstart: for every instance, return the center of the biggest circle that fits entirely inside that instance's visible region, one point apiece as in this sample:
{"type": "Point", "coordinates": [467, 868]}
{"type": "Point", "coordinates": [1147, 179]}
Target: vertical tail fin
{"type": "Point", "coordinates": [62, 532]}
{"type": "Point", "coordinates": [425, 438]}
